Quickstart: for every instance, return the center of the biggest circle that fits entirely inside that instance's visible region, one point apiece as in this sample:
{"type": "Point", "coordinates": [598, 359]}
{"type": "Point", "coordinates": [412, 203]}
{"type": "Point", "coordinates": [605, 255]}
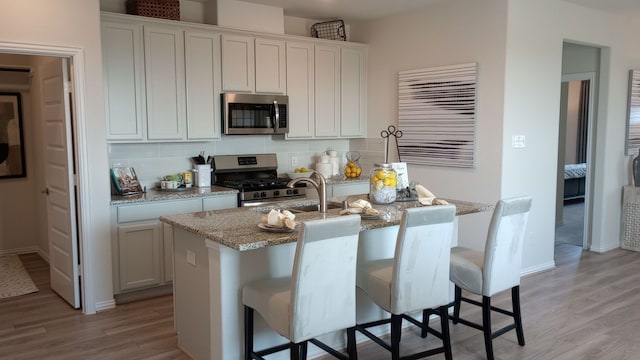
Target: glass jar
{"type": "Point", "coordinates": [352, 170]}
{"type": "Point", "coordinates": [382, 184]}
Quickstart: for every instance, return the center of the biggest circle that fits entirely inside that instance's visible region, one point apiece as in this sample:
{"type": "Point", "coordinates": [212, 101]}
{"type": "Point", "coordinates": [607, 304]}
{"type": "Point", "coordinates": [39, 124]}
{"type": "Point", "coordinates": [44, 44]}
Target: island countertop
{"type": "Point", "coordinates": [238, 228]}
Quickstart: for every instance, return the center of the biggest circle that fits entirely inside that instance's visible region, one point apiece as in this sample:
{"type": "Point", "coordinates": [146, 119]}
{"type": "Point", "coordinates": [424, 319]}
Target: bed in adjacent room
{"type": "Point", "coordinates": [574, 181]}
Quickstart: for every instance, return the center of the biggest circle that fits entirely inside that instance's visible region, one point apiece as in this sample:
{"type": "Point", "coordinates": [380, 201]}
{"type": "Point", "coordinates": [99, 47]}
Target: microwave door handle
{"type": "Point", "coordinates": [275, 119]}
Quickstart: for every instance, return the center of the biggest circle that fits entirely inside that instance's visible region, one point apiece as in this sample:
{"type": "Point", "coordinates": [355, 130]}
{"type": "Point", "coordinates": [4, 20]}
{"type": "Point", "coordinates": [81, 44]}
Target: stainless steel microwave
{"type": "Point", "coordinates": [246, 114]}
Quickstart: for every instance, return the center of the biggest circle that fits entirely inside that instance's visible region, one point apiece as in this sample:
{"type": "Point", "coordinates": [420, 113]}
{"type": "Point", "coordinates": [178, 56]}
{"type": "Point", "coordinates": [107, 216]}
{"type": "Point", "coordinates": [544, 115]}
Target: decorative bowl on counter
{"type": "Point", "coordinates": [295, 175]}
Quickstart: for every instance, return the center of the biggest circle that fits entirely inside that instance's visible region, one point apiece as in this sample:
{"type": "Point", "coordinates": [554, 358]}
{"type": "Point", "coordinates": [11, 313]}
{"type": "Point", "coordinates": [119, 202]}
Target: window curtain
{"type": "Point", "coordinates": [583, 123]}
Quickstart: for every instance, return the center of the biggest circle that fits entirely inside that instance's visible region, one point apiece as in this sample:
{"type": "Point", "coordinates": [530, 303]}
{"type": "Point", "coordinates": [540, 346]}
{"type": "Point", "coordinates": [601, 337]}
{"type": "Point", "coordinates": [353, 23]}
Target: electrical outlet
{"type": "Point", "coordinates": [294, 161]}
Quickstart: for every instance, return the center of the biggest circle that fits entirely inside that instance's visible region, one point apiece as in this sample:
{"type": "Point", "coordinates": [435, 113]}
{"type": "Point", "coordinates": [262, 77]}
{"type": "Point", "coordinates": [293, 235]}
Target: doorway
{"type": "Point", "coordinates": [579, 89]}
{"type": "Point", "coordinates": [49, 188]}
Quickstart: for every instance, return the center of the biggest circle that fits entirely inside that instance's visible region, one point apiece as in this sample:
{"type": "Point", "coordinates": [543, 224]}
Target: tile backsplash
{"type": "Point", "coordinates": [154, 160]}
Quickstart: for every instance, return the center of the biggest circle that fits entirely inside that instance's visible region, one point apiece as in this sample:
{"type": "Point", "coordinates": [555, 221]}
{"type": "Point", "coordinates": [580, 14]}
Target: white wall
{"type": "Point", "coordinates": [75, 23]}
{"type": "Point", "coordinates": [533, 75]}
{"type": "Point", "coordinates": [152, 161]}
{"type": "Point", "coordinates": [448, 33]}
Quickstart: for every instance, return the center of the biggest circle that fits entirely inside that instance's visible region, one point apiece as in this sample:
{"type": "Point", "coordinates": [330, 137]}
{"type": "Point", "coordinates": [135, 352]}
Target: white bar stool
{"type": "Point", "coordinates": [494, 270]}
{"type": "Point", "coordinates": [319, 297]}
{"type": "Point", "coordinates": [416, 278]}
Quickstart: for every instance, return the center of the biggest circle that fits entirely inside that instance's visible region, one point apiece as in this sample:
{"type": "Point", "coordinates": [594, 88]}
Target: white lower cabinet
{"type": "Point", "coordinates": [356, 188]}
{"type": "Point", "coordinates": [139, 255]}
{"type": "Point", "coordinates": [142, 246]}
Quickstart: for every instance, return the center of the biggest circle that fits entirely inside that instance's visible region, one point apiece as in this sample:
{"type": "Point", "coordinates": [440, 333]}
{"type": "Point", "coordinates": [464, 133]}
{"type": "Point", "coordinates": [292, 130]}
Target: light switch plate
{"type": "Point", "coordinates": [517, 141]}
{"type": "Point", "coordinates": [191, 258]}
{"type": "Point", "coordinates": [294, 161]}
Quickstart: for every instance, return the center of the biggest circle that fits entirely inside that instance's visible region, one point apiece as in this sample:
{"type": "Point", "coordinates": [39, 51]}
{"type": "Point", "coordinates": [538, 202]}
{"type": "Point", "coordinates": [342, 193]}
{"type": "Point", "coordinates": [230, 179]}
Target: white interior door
{"type": "Point", "coordinates": [61, 203]}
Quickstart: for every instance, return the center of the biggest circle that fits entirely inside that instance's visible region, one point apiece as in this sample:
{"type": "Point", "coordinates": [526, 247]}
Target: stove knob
{"type": "Point", "coordinates": [256, 195]}
{"type": "Point", "coordinates": [295, 191]}
{"type": "Point", "coordinates": [276, 193]}
{"type": "Point", "coordinates": [289, 191]}
{"type": "Point", "coordinates": [263, 194]}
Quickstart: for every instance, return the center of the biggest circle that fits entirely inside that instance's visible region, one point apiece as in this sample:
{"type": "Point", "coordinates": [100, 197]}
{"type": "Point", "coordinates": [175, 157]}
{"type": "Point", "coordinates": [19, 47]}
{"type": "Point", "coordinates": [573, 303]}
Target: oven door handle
{"type": "Point", "coordinates": [275, 120]}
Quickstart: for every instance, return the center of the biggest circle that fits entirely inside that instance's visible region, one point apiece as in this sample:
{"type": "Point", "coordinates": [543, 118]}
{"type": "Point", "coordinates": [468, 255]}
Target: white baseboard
{"type": "Point", "coordinates": [604, 248]}
{"type": "Point", "coordinates": [105, 305]}
{"type": "Point", "coordinates": [18, 251]}
{"type": "Point", "coordinates": [538, 268]}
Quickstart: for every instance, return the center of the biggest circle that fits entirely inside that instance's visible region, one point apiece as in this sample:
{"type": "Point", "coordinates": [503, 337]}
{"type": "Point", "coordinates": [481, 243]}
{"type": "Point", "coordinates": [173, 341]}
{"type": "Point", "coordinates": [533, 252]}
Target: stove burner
{"type": "Point", "coordinates": [256, 184]}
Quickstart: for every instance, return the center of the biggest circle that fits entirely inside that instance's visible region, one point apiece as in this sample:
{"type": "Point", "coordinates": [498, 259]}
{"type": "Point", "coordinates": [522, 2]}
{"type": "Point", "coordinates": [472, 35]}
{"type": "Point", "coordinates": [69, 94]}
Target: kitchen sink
{"type": "Point", "coordinates": [308, 208]}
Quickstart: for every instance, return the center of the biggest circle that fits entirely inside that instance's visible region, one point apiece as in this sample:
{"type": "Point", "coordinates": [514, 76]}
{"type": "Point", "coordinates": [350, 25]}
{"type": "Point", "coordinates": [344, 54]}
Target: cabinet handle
{"type": "Point", "coordinates": [45, 191]}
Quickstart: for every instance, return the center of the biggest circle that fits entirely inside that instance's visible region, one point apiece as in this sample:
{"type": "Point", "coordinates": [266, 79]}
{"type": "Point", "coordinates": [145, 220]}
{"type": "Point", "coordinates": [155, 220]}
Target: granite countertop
{"type": "Point", "coordinates": [238, 228]}
{"type": "Point", "coordinates": [159, 195]}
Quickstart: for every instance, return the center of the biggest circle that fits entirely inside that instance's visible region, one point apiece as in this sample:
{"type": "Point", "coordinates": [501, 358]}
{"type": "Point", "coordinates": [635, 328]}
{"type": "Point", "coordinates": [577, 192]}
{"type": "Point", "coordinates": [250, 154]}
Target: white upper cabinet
{"type": "Point", "coordinates": [123, 72]}
{"type": "Point", "coordinates": [300, 89]}
{"type": "Point", "coordinates": [163, 80]}
{"type": "Point", "coordinates": [165, 83]}
{"type": "Point", "coordinates": [254, 65]}
{"type": "Point", "coordinates": [202, 60]}
{"type": "Point", "coordinates": [270, 66]}
{"type": "Point", "coordinates": [327, 92]}
{"type": "Point", "coordinates": [238, 63]}
{"type": "Point", "coordinates": [353, 95]}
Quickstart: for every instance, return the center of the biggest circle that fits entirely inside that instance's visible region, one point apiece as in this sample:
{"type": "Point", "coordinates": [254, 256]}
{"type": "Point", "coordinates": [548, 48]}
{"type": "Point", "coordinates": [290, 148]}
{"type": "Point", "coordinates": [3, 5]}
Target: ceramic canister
{"type": "Point", "coordinates": [324, 168]}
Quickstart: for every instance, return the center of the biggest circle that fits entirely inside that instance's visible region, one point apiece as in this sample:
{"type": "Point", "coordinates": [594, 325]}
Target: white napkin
{"type": "Point", "coordinates": [426, 197]}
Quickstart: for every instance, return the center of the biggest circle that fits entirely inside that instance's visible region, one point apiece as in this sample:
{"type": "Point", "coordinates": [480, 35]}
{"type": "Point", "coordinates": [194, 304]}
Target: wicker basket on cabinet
{"type": "Point", "coordinates": [163, 9]}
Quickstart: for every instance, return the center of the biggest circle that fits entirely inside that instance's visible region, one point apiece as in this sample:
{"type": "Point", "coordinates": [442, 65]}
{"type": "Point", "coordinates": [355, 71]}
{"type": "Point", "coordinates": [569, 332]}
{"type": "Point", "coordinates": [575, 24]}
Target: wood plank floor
{"type": "Point", "coordinates": [588, 307]}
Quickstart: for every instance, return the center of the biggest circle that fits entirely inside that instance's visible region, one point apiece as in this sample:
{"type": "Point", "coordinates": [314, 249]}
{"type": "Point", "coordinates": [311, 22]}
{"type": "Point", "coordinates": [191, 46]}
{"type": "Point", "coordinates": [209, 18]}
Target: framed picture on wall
{"type": "Point", "coordinates": [12, 161]}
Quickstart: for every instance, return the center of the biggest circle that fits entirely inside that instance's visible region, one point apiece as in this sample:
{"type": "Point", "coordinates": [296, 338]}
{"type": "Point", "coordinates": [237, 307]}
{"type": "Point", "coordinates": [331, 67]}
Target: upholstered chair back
{"type": "Point", "coordinates": [420, 278]}
{"type": "Point", "coordinates": [503, 249]}
{"type": "Point", "coordinates": [323, 280]}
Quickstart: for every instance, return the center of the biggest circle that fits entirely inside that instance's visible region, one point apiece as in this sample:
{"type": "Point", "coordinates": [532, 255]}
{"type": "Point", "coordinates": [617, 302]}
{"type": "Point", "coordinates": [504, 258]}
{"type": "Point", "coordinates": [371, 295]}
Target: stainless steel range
{"type": "Point", "coordinates": [256, 177]}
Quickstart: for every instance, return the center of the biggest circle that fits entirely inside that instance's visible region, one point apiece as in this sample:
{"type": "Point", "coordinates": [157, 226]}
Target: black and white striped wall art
{"type": "Point", "coordinates": [437, 115]}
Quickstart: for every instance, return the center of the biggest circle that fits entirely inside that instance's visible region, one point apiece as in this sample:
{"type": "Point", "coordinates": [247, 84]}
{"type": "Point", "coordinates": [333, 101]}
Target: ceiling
{"type": "Point", "coordinates": [352, 10]}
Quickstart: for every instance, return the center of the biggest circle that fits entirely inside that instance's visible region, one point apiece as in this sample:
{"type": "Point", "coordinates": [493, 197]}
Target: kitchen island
{"type": "Point", "coordinates": [217, 252]}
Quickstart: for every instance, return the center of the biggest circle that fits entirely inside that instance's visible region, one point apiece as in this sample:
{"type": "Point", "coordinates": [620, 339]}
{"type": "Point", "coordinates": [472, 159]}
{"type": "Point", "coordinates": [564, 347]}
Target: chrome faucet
{"type": "Point", "coordinates": [320, 185]}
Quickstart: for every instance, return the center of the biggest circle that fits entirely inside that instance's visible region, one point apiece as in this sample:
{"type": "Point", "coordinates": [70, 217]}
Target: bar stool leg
{"type": "Point", "coordinates": [248, 333]}
{"type": "Point", "coordinates": [446, 339]}
{"type": "Point", "coordinates": [457, 300]}
{"type": "Point", "coordinates": [352, 350]}
{"type": "Point", "coordinates": [517, 315]}
{"type": "Point", "coordinates": [396, 331]}
{"type": "Point", "coordinates": [486, 326]}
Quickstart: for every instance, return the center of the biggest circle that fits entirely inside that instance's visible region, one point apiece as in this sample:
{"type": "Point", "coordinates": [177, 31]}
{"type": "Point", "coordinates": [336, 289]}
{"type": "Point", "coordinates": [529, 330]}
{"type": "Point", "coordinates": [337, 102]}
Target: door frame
{"type": "Point", "coordinates": [591, 126]}
{"type": "Point", "coordinates": [80, 127]}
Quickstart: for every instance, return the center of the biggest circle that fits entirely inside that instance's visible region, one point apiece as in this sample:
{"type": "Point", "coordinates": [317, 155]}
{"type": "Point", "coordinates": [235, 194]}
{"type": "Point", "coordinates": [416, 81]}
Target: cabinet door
{"type": "Point", "coordinates": [220, 202]}
{"type": "Point", "coordinates": [270, 66]}
{"type": "Point", "coordinates": [165, 80]}
{"type": "Point", "coordinates": [238, 67]}
{"type": "Point", "coordinates": [353, 94]}
{"type": "Point", "coordinates": [350, 189]}
{"type": "Point", "coordinates": [300, 89]}
{"type": "Point", "coordinates": [202, 59]}
{"type": "Point", "coordinates": [123, 66]}
{"type": "Point", "coordinates": [327, 93]}
{"type": "Point", "coordinates": [139, 254]}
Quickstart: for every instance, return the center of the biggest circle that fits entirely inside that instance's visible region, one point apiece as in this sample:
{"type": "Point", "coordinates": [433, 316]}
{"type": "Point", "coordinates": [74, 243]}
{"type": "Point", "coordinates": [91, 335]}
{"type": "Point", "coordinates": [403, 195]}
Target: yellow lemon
{"type": "Point", "coordinates": [358, 171]}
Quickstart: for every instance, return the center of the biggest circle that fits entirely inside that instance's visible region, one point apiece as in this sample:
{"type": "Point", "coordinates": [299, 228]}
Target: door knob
{"type": "Point", "coordinates": [45, 191]}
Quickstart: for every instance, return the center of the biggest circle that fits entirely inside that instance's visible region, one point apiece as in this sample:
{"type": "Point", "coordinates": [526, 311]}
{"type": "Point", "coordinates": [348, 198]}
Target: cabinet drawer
{"type": "Point", "coordinates": [130, 213]}
{"type": "Point", "coordinates": [220, 202]}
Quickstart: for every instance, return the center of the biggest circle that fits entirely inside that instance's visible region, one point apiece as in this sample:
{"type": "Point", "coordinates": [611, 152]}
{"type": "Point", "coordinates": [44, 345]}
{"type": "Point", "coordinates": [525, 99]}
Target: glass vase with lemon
{"type": "Point", "coordinates": [382, 184]}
